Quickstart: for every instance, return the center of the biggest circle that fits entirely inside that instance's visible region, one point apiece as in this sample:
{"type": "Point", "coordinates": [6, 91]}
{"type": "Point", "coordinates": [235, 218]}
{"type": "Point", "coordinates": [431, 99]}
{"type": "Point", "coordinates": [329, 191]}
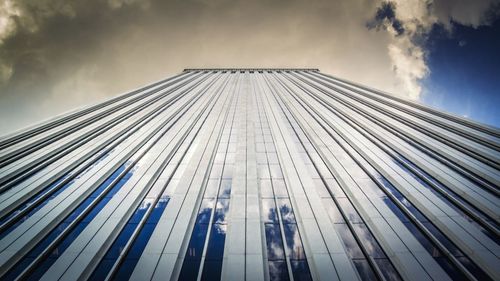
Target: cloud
{"type": "Point", "coordinates": [409, 22]}
{"type": "Point", "coordinates": [59, 54]}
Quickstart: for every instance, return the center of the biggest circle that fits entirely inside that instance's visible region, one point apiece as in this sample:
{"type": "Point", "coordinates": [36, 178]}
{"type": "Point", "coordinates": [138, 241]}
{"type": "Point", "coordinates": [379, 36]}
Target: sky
{"type": "Point", "coordinates": [58, 55]}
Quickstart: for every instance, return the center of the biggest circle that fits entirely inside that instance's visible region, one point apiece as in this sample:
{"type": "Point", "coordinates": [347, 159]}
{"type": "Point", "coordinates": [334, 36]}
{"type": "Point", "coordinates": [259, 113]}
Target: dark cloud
{"type": "Point", "coordinates": [56, 55]}
{"type": "Point", "coordinates": [386, 15]}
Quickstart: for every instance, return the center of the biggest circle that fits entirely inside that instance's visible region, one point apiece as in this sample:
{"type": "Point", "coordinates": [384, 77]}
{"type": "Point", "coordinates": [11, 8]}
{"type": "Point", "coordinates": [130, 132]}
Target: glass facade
{"type": "Point", "coordinates": [251, 174]}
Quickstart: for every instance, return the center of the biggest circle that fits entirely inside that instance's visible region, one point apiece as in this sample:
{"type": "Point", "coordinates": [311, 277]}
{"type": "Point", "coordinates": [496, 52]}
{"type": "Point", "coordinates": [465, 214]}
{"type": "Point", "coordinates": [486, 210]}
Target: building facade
{"type": "Point", "coordinates": [251, 174]}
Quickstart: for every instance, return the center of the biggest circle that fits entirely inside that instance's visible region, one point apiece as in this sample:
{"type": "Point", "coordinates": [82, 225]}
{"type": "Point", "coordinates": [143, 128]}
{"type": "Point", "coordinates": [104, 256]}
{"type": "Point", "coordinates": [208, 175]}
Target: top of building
{"type": "Point", "coordinates": [251, 69]}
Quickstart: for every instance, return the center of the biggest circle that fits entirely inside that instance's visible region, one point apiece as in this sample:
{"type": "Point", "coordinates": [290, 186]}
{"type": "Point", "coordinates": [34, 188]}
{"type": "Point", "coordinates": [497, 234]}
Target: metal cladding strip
{"type": "Point", "coordinates": [32, 230]}
{"type": "Point", "coordinates": [255, 267]}
{"type": "Point", "coordinates": [446, 118]}
{"type": "Point", "coordinates": [407, 254]}
{"type": "Point", "coordinates": [320, 238]}
{"type": "Point", "coordinates": [472, 148]}
{"type": "Point", "coordinates": [153, 253]}
{"type": "Point", "coordinates": [317, 162]}
{"type": "Point", "coordinates": [43, 138]}
{"type": "Point", "coordinates": [474, 166]}
{"type": "Point", "coordinates": [28, 187]}
{"type": "Point", "coordinates": [21, 194]}
{"type": "Point", "coordinates": [236, 251]}
{"type": "Point", "coordinates": [429, 118]}
{"type": "Point", "coordinates": [79, 260]}
{"type": "Point", "coordinates": [72, 140]}
{"type": "Point", "coordinates": [180, 147]}
{"type": "Point", "coordinates": [88, 126]}
{"type": "Point", "coordinates": [459, 230]}
{"type": "Point", "coordinates": [481, 198]}
{"type": "Point", "coordinates": [451, 212]}
{"type": "Point", "coordinates": [176, 225]}
{"type": "Point", "coordinates": [411, 216]}
{"type": "Point", "coordinates": [486, 201]}
{"type": "Point", "coordinates": [30, 132]}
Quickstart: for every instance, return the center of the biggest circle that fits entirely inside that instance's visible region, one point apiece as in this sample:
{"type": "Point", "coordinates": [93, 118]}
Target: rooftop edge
{"type": "Point", "coordinates": [250, 69]}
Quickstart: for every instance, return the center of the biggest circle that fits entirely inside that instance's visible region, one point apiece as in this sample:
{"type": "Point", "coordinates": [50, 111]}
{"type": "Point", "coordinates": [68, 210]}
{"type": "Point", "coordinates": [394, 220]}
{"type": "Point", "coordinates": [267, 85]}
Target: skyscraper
{"type": "Point", "coordinates": [251, 174]}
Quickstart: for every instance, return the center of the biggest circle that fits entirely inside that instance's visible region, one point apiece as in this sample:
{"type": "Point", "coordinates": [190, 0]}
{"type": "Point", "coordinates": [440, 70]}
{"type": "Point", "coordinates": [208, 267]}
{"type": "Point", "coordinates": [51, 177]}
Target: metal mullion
{"type": "Point", "coordinates": [212, 212]}
{"type": "Point", "coordinates": [280, 222]}
{"type": "Point", "coordinates": [149, 185]}
{"type": "Point", "coordinates": [121, 115]}
{"type": "Point", "coordinates": [141, 146]}
{"type": "Point", "coordinates": [453, 200]}
{"type": "Point", "coordinates": [124, 137]}
{"type": "Point", "coordinates": [464, 147]}
{"type": "Point", "coordinates": [422, 116]}
{"type": "Point", "coordinates": [414, 220]}
{"type": "Point", "coordinates": [29, 132]}
{"type": "Point", "coordinates": [115, 116]}
{"type": "Point", "coordinates": [465, 122]}
{"type": "Point", "coordinates": [436, 157]}
{"type": "Point", "coordinates": [69, 128]}
{"type": "Point", "coordinates": [470, 167]}
{"type": "Point", "coordinates": [86, 139]}
{"type": "Point", "coordinates": [134, 235]}
{"type": "Point", "coordinates": [369, 258]}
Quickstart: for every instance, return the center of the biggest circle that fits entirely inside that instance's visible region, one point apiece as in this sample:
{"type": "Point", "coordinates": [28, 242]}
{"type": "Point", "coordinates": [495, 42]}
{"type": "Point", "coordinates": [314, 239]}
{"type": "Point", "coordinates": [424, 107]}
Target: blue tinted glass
{"type": "Point", "coordinates": [269, 213]}
{"type": "Point", "coordinates": [140, 211]}
{"type": "Point", "coordinates": [474, 269]}
{"type": "Point", "coordinates": [222, 207]}
{"type": "Point", "coordinates": [445, 241]}
{"type": "Point", "coordinates": [287, 215]}
{"type": "Point", "coordinates": [426, 243]}
{"type": "Point", "coordinates": [118, 245]}
{"type": "Point", "coordinates": [189, 270]}
{"type": "Point", "coordinates": [211, 270]}
{"type": "Point", "coordinates": [451, 270]}
{"type": "Point", "coordinates": [215, 248]}
{"type": "Point", "coordinates": [278, 271]}
{"type": "Point", "coordinates": [395, 209]}
{"type": "Point", "coordinates": [205, 211]}
{"type": "Point", "coordinates": [370, 244]}
{"type": "Point", "coordinates": [140, 241]}
{"type": "Point", "coordinates": [225, 188]}
{"type": "Point", "coordinates": [274, 242]}
{"type": "Point", "coordinates": [197, 241]}
{"type": "Point", "coordinates": [364, 269]}
{"type": "Point", "coordinates": [333, 211]}
{"type": "Point", "coordinates": [300, 270]}
{"type": "Point", "coordinates": [387, 269]}
{"type": "Point", "coordinates": [125, 270]}
{"type": "Point", "coordinates": [349, 211]}
{"type": "Point", "coordinates": [102, 270]}
{"type": "Point", "coordinates": [351, 246]}
{"type": "Point", "coordinates": [155, 215]}
{"type": "Point", "coordinates": [293, 242]}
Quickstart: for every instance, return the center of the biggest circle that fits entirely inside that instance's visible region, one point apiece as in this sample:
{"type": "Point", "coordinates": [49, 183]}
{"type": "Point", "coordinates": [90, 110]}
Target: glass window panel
{"type": "Point", "coordinates": [364, 269]}
{"type": "Point", "coordinates": [333, 211]}
{"type": "Point", "coordinates": [189, 271]}
{"type": "Point", "coordinates": [387, 269]}
{"type": "Point", "coordinates": [269, 213]}
{"type": "Point", "coordinates": [280, 188]}
{"type": "Point", "coordinates": [274, 242]}
{"type": "Point", "coordinates": [293, 242]}
{"type": "Point", "coordinates": [266, 190]}
{"type": "Point", "coordinates": [197, 241]}
{"type": "Point", "coordinates": [300, 270]}
{"type": "Point", "coordinates": [278, 271]}
{"type": "Point", "coordinates": [352, 247]}
{"type": "Point", "coordinates": [212, 188]}
{"type": "Point", "coordinates": [371, 245]}
{"type": "Point", "coordinates": [225, 188]}
{"type": "Point", "coordinates": [287, 215]}
{"type": "Point", "coordinates": [212, 270]}
{"type": "Point", "coordinates": [215, 248]}
{"type": "Point", "coordinates": [222, 207]}
{"type": "Point", "coordinates": [349, 211]}
{"type": "Point", "coordinates": [205, 211]}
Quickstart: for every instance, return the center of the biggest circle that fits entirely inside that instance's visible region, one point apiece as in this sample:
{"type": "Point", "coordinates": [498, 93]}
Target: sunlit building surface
{"type": "Point", "coordinates": [251, 174]}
